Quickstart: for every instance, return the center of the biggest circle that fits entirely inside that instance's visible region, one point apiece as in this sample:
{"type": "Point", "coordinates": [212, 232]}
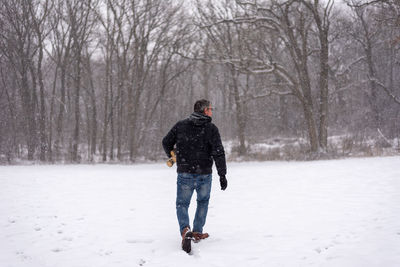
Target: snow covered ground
{"type": "Point", "coordinates": [321, 213]}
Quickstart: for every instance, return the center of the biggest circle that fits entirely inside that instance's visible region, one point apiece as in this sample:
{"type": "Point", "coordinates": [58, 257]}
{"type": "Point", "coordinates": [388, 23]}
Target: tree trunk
{"type": "Point", "coordinates": [93, 126]}
{"type": "Point", "coordinates": [75, 140]}
{"type": "Point", "coordinates": [323, 85]}
{"type": "Point", "coordinates": [42, 118]}
{"type": "Point", "coordinates": [59, 143]}
{"type": "Point", "coordinates": [311, 128]}
{"type": "Point", "coordinates": [111, 118]}
{"type": "Point", "coordinates": [119, 121]}
{"type": "Point", "coordinates": [106, 101]}
{"type": "Point", "coordinates": [240, 114]}
{"type": "Point", "coordinates": [31, 104]}
{"type": "Point", "coordinates": [373, 98]}
{"type": "Point", "coordinates": [51, 116]}
{"type": "Point", "coordinates": [283, 114]}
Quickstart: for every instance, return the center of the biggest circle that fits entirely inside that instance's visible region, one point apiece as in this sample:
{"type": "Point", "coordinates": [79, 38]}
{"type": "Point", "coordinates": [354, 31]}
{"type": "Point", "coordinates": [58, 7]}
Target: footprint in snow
{"type": "Point", "coordinates": [141, 241]}
{"type": "Point", "coordinates": [252, 258]}
{"type": "Point", "coordinates": [319, 250]}
{"type": "Point", "coordinates": [22, 255]}
{"type": "Point", "coordinates": [105, 252]}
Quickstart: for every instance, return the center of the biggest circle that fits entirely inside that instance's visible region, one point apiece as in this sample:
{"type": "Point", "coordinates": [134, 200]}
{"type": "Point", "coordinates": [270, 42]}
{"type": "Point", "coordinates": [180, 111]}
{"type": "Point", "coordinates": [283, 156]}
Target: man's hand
{"type": "Point", "coordinates": [223, 182]}
{"type": "Point", "coordinates": [172, 159]}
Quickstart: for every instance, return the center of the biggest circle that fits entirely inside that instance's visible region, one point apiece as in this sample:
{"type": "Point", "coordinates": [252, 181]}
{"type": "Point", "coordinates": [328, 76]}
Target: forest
{"type": "Point", "coordinates": [105, 80]}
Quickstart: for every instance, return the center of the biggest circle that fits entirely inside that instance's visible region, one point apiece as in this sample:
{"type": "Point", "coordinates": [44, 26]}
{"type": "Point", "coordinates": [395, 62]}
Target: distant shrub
{"type": "Point", "coordinates": [299, 150]}
{"type": "Point", "coordinates": [347, 145]}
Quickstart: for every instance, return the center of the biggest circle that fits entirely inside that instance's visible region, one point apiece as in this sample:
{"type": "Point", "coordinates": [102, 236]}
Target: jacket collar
{"type": "Point", "coordinates": [199, 118]}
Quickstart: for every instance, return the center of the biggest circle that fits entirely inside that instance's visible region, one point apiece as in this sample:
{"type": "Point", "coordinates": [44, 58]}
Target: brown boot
{"type": "Point", "coordinates": [187, 237]}
{"type": "Point", "coordinates": [198, 236]}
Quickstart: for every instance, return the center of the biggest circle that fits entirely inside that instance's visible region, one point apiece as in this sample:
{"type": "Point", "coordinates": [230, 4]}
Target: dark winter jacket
{"type": "Point", "coordinates": [197, 143]}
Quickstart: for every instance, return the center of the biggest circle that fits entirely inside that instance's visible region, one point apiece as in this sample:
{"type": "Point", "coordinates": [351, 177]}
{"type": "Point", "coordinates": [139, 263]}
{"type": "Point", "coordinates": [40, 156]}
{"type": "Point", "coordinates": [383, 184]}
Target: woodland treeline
{"type": "Point", "coordinates": [104, 80]}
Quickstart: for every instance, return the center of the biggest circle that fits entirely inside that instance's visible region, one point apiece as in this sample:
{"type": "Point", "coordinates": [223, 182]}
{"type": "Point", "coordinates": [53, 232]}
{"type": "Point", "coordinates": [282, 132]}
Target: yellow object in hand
{"type": "Point", "coordinates": [172, 159]}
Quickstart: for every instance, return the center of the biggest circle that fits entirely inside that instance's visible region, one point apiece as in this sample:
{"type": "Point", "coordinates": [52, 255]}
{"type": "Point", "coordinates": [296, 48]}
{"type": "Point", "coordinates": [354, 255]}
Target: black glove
{"type": "Point", "coordinates": [223, 182]}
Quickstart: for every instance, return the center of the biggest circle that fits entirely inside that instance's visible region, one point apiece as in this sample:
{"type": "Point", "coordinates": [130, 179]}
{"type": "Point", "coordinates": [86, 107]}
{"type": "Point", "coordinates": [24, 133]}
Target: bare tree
{"type": "Point", "coordinates": [293, 22]}
{"type": "Point", "coordinates": [82, 21]}
{"type": "Point", "coordinates": [39, 11]}
{"type": "Point", "coordinates": [18, 44]}
{"type": "Point", "coordinates": [61, 41]}
{"type": "Point", "coordinates": [83, 79]}
{"type": "Point", "coordinates": [322, 17]}
{"type": "Point", "coordinates": [117, 45]}
{"type": "Point", "coordinates": [391, 17]}
{"type": "Point", "coordinates": [228, 49]}
{"type": "Point", "coordinates": [366, 39]}
{"type": "Point", "coordinates": [151, 21]}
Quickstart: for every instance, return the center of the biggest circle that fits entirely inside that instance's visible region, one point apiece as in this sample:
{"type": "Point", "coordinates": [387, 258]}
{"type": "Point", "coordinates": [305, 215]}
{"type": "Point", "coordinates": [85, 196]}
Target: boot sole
{"type": "Point", "coordinates": [187, 242]}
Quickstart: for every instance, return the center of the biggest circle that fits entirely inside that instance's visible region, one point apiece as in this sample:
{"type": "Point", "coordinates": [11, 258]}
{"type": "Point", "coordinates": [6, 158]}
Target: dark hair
{"type": "Point", "coordinates": [201, 105]}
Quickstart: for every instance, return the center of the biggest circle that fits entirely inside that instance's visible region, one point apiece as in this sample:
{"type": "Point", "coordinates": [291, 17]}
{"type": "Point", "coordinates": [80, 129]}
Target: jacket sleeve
{"type": "Point", "coordinates": [218, 152]}
{"type": "Point", "coordinates": [169, 140]}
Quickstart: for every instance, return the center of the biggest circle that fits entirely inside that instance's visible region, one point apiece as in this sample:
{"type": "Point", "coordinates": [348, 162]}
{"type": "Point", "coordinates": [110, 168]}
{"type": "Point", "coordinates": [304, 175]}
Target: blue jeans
{"type": "Point", "coordinates": [186, 184]}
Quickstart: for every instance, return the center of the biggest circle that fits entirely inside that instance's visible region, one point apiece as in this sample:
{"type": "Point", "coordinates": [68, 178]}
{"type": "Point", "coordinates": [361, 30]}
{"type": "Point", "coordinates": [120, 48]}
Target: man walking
{"type": "Point", "coordinates": [198, 143]}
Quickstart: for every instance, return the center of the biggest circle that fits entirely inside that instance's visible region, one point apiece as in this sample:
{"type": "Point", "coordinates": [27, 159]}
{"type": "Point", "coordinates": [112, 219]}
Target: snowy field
{"type": "Point", "coordinates": [322, 213]}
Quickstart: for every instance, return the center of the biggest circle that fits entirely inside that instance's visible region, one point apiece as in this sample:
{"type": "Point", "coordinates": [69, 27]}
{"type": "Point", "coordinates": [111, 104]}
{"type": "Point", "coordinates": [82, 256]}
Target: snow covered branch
{"type": "Point", "coordinates": [242, 20]}
{"type": "Point", "coordinates": [366, 3]}
{"type": "Point", "coordinates": [267, 94]}
{"type": "Point", "coordinates": [387, 91]}
{"type": "Point", "coordinates": [339, 90]}
{"type": "Point", "coordinates": [348, 67]}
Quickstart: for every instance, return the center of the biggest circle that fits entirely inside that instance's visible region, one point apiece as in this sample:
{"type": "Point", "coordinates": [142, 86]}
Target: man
{"type": "Point", "coordinates": [197, 143]}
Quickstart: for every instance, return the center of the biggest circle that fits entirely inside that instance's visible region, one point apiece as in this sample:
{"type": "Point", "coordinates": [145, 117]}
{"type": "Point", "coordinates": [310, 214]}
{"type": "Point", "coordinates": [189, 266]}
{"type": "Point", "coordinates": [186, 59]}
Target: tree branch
{"type": "Point", "coordinates": [395, 99]}
{"type": "Point", "coordinates": [366, 3]}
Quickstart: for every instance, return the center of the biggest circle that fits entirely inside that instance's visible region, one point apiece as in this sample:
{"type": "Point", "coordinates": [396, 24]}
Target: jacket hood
{"type": "Point", "coordinates": [199, 118]}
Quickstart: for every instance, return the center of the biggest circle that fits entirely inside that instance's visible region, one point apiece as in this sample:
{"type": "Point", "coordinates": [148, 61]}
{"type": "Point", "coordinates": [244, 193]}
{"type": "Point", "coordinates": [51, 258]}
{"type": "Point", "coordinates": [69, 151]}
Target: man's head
{"type": "Point", "coordinates": [203, 106]}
